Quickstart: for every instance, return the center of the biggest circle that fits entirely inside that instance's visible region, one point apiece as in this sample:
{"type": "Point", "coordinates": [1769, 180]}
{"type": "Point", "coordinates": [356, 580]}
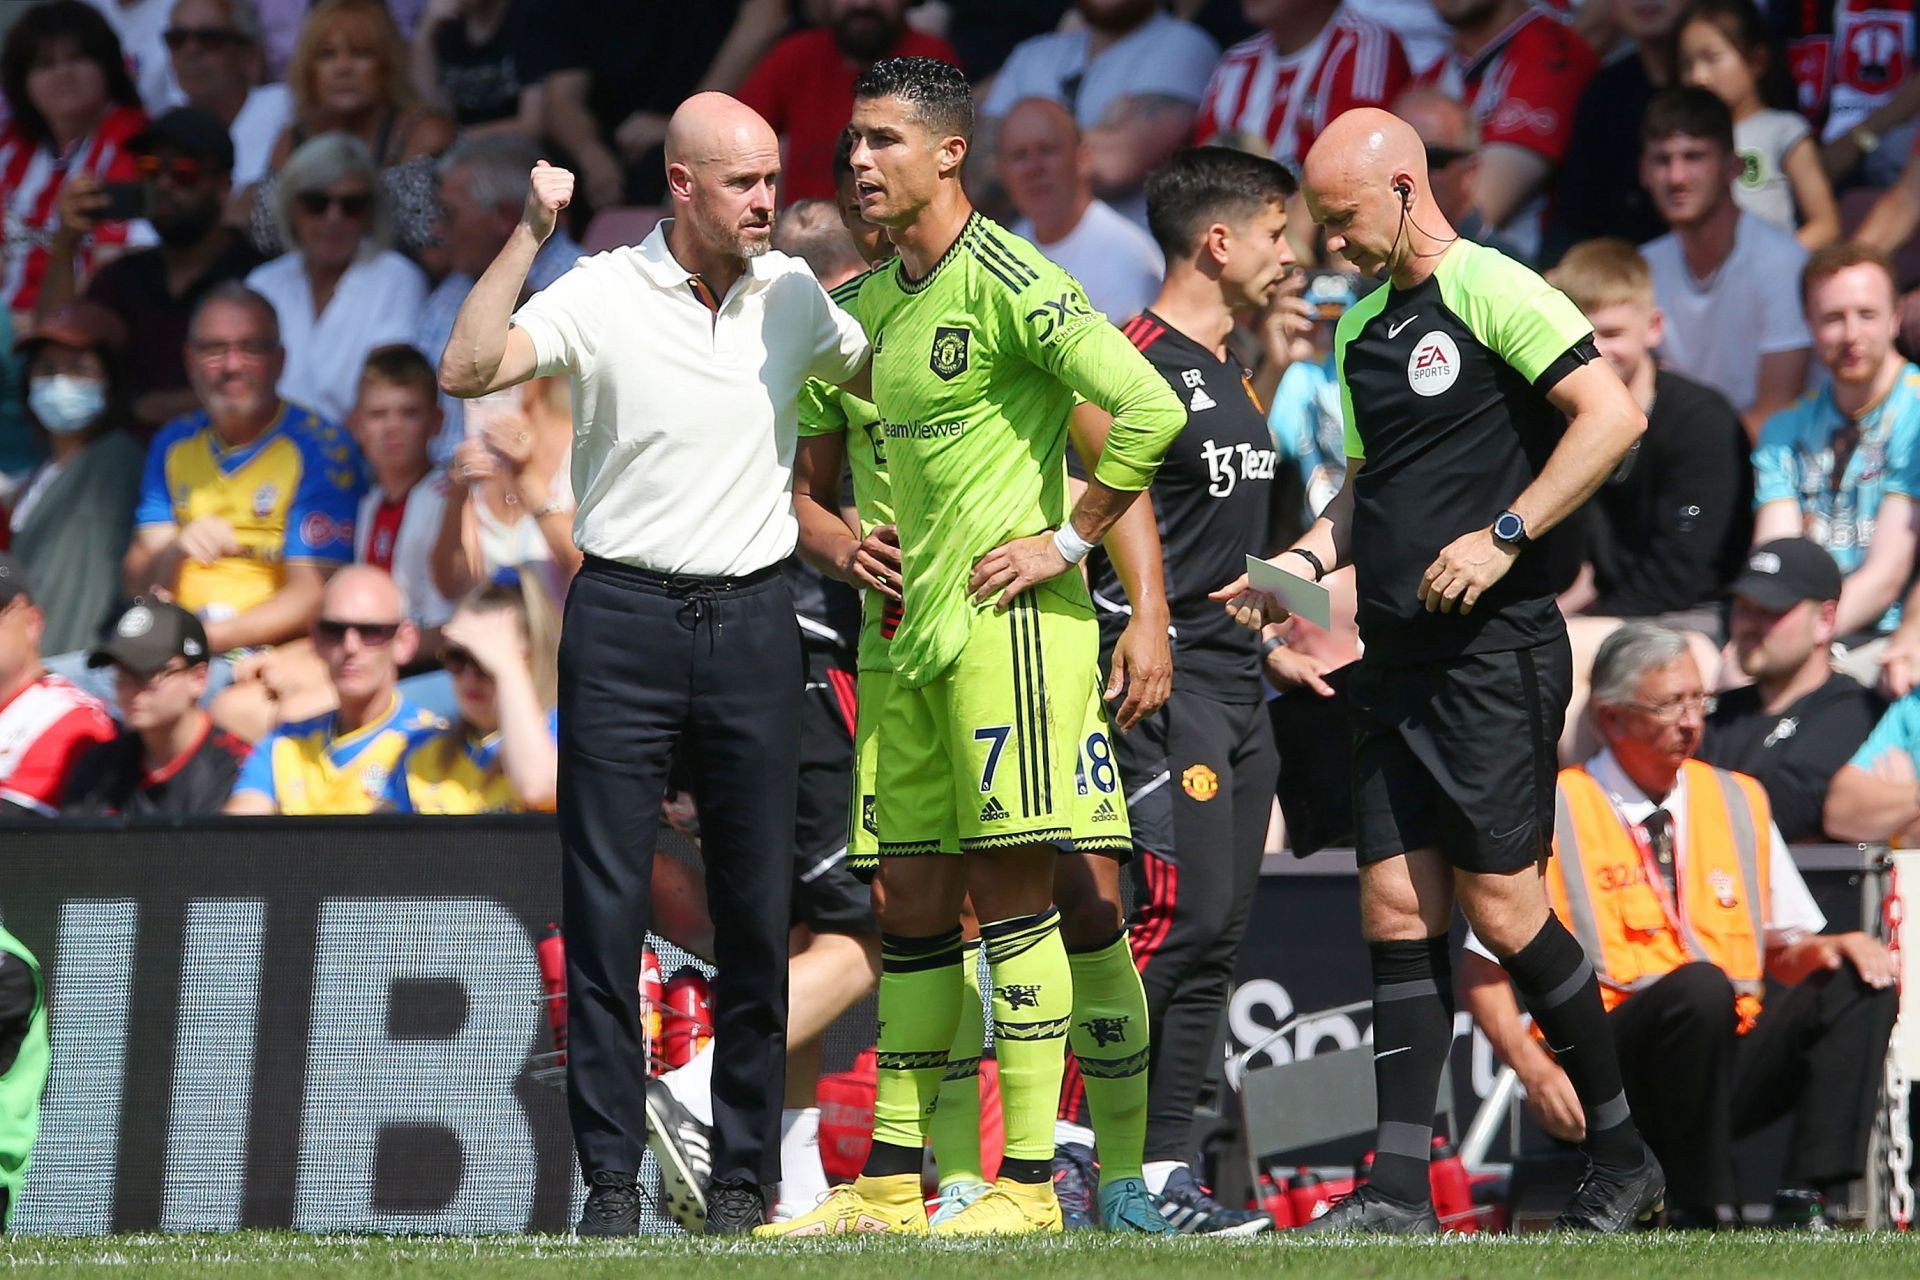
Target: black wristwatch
{"type": "Point", "coordinates": [1512, 530]}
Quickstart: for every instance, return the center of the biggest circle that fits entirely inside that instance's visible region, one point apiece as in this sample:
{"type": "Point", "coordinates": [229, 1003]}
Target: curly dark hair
{"type": "Point", "coordinates": [1199, 186]}
{"type": "Point", "coordinates": [937, 91]}
{"type": "Point", "coordinates": [41, 24]}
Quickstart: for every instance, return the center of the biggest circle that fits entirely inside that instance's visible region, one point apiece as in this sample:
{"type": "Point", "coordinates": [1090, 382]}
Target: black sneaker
{"type": "Point", "coordinates": [1797, 1210]}
{"type": "Point", "coordinates": [613, 1205]}
{"type": "Point", "coordinates": [679, 1142]}
{"type": "Point", "coordinates": [1186, 1204]}
{"type": "Point", "coordinates": [1611, 1201]}
{"type": "Point", "coordinates": [735, 1207]}
{"type": "Point", "coordinates": [1366, 1212]}
{"type": "Point", "coordinates": [1074, 1177]}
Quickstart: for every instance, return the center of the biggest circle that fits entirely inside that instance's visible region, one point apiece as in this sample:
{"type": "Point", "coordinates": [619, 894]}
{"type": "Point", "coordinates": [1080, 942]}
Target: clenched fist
{"type": "Point", "coordinates": [552, 191]}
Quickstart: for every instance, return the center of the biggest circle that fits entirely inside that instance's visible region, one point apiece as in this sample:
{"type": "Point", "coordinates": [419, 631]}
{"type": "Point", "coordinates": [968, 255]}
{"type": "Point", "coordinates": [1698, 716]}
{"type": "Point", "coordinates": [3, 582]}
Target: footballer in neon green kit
{"type": "Point", "coordinates": [981, 347]}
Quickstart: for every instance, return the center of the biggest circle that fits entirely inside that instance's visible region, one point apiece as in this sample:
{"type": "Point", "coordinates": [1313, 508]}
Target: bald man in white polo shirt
{"type": "Point", "coordinates": [687, 354]}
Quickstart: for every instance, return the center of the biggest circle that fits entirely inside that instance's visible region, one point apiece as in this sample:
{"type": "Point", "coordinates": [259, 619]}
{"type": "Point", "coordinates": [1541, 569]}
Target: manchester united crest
{"type": "Point", "coordinates": [949, 358]}
{"type": "Point", "coordinates": [1200, 782]}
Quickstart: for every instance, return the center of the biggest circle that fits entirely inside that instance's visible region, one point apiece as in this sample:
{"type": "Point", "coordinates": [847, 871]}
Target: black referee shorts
{"type": "Point", "coordinates": [1460, 755]}
{"type": "Point", "coordinates": [827, 897]}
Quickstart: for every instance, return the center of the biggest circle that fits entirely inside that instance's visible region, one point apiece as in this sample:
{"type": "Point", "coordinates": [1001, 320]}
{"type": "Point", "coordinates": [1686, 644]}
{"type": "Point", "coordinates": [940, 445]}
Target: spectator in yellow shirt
{"type": "Point", "coordinates": [502, 649]}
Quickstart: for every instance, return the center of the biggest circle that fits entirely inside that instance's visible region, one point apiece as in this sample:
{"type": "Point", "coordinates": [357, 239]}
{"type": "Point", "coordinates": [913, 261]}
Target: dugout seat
{"type": "Point", "coordinates": [621, 225]}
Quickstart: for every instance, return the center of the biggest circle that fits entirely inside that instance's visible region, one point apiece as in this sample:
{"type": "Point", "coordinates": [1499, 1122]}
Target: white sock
{"type": "Point", "coordinates": [1066, 1131]}
{"type": "Point", "coordinates": [1158, 1171]}
{"type": "Point", "coordinates": [692, 1084]}
{"type": "Point", "coordinates": [802, 1179]}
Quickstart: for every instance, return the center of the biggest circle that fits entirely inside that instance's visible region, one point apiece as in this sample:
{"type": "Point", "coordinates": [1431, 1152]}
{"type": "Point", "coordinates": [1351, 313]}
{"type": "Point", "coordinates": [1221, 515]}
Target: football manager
{"type": "Point", "coordinates": [1478, 416]}
{"type": "Point", "coordinates": [687, 354]}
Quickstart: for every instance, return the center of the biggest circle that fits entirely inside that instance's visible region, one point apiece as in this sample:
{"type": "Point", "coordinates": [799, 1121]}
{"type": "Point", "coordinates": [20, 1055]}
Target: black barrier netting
{"type": "Point", "coordinates": [329, 1025]}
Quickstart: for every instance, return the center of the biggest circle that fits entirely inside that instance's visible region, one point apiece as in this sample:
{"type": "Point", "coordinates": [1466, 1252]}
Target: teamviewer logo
{"type": "Point", "coordinates": [1434, 365]}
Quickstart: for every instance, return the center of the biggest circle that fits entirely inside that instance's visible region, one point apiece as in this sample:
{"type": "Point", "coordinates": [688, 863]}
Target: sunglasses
{"type": "Point", "coordinates": [459, 661]}
{"type": "Point", "coordinates": [179, 168]}
{"type": "Point", "coordinates": [316, 204]}
{"type": "Point", "coordinates": [178, 38]}
{"type": "Point", "coordinates": [375, 635]}
{"type": "Point", "coordinates": [1441, 157]}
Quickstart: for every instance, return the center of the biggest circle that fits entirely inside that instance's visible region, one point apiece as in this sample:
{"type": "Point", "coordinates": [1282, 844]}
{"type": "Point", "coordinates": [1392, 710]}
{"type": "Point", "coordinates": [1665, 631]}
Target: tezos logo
{"type": "Point", "coordinates": [1434, 365]}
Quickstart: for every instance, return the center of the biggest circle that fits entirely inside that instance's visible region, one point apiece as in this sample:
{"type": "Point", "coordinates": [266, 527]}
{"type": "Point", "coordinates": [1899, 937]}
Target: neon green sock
{"type": "Point", "coordinates": [1032, 1004]}
{"type": "Point", "coordinates": [955, 1127]}
{"type": "Point", "coordinates": [920, 998]}
{"type": "Point", "coordinates": [1109, 1037]}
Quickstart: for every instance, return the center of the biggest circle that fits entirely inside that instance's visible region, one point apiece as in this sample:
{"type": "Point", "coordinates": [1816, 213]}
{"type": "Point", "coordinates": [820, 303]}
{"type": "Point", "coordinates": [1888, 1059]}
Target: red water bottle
{"type": "Point", "coordinates": [1306, 1197]}
{"type": "Point", "coordinates": [1274, 1202]}
{"type": "Point", "coordinates": [1363, 1172]}
{"type": "Point", "coordinates": [552, 957]}
{"type": "Point", "coordinates": [652, 995]}
{"type": "Point", "coordinates": [688, 1017]}
{"type": "Point", "coordinates": [1452, 1193]}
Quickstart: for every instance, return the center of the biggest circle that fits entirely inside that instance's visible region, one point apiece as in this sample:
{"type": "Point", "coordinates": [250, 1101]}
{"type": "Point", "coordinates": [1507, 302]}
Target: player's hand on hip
{"type": "Point", "coordinates": [875, 562]}
{"type": "Point", "coordinates": [551, 191]}
{"type": "Point", "coordinates": [1251, 609]}
{"type": "Point", "coordinates": [1008, 570]}
{"type": "Point", "coordinates": [1468, 566]}
{"type": "Point", "coordinates": [1143, 667]}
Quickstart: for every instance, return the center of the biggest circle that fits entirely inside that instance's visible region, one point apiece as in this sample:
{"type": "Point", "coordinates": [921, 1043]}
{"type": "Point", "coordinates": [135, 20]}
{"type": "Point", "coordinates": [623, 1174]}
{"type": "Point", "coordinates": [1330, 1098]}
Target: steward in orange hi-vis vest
{"type": "Point", "coordinates": [1607, 888]}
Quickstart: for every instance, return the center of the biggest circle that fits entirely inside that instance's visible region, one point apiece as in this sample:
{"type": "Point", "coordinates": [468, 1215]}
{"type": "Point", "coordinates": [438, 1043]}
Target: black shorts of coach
{"type": "Point", "coordinates": [1460, 755]}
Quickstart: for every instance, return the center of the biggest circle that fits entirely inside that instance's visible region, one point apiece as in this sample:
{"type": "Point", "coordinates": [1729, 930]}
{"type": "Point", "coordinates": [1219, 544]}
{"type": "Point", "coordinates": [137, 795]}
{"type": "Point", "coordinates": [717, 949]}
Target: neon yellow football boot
{"type": "Point", "coordinates": [1010, 1209]}
{"type": "Point", "coordinates": [891, 1205]}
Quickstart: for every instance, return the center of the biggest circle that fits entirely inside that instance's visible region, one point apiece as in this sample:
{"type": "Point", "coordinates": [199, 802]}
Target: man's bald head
{"type": "Point", "coordinates": [723, 161]}
{"type": "Point", "coordinates": [364, 593]}
{"type": "Point", "coordinates": [1040, 117]}
{"type": "Point", "coordinates": [1440, 119]}
{"type": "Point", "coordinates": [1365, 179]}
{"type": "Point", "coordinates": [710, 128]}
{"type": "Point", "coordinates": [1045, 170]}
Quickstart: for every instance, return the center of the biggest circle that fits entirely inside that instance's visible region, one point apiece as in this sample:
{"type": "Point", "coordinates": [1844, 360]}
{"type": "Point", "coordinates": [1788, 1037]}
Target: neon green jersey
{"type": "Point", "coordinates": [975, 369]}
{"type": "Point", "coordinates": [829, 410]}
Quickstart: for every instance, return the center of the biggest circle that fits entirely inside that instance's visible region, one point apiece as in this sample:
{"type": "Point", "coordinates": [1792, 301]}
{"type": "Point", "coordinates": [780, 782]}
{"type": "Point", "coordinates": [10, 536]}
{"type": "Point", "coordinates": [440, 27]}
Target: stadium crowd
{"type": "Point", "coordinates": [257, 561]}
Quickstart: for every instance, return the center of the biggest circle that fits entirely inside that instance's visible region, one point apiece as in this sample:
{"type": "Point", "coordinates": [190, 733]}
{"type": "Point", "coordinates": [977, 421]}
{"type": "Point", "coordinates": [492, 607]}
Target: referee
{"type": "Point", "coordinates": [1479, 415]}
{"type": "Point", "coordinates": [687, 354]}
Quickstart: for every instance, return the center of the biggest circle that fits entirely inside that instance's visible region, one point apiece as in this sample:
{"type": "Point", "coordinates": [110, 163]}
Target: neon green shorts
{"type": "Point", "coordinates": [1009, 747]}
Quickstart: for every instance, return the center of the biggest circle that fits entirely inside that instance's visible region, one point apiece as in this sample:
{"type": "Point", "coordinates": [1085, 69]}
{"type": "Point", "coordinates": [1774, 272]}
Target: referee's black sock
{"type": "Point", "coordinates": [1561, 991]}
{"type": "Point", "coordinates": [1412, 1031]}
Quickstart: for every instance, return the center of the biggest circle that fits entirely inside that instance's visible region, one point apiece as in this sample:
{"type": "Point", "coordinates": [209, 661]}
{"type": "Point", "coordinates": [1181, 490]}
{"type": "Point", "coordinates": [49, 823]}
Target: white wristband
{"type": "Point", "coordinates": [1072, 547]}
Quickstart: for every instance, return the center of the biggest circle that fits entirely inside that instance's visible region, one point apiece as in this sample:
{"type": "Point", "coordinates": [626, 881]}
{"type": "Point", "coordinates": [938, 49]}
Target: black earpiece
{"type": "Point", "coordinates": [1406, 192]}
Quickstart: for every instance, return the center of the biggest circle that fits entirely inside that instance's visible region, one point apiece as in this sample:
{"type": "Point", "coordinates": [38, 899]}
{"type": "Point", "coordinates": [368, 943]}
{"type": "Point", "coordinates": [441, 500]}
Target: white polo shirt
{"type": "Point", "coordinates": [684, 419]}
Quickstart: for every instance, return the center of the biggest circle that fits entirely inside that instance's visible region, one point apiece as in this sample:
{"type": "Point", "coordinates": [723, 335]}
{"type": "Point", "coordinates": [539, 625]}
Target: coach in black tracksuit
{"type": "Point", "coordinates": [1199, 774]}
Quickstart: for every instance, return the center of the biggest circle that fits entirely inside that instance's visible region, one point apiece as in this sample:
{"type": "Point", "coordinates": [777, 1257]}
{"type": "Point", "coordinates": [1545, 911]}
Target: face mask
{"type": "Point", "coordinates": [65, 403]}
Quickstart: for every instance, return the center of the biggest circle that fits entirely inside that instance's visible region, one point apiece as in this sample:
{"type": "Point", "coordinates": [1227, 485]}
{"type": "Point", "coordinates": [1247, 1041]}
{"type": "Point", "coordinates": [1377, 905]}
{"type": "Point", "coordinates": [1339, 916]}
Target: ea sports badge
{"type": "Point", "coordinates": [1434, 365]}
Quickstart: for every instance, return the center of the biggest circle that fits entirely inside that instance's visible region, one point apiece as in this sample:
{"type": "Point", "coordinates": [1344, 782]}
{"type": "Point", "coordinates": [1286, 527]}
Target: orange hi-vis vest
{"type": "Point", "coordinates": [1609, 893]}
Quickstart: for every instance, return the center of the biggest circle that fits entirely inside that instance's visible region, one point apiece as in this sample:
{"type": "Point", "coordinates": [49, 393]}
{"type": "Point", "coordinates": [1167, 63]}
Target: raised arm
{"type": "Point", "coordinates": [485, 352]}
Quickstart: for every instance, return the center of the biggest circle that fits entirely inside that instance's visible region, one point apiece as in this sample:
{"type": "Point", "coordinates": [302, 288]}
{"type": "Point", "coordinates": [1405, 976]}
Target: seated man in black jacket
{"type": "Point", "coordinates": [1800, 719]}
{"type": "Point", "coordinates": [1670, 527]}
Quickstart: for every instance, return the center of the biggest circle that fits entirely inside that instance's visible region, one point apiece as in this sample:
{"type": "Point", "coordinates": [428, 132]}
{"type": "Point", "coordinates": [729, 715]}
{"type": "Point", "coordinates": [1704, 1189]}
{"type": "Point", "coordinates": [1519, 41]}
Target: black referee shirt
{"type": "Point", "coordinates": [1211, 498]}
{"type": "Point", "coordinates": [1445, 396]}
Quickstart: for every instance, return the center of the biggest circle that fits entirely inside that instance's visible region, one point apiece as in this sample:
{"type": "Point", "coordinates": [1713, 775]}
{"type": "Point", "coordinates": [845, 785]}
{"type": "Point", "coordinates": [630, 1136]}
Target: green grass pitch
{"type": "Point", "coordinates": [1747, 1256]}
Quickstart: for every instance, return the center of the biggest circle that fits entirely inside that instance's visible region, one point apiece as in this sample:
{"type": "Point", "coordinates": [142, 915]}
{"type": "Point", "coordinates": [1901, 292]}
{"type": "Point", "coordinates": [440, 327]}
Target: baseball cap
{"type": "Point", "coordinates": [83, 325]}
{"type": "Point", "coordinates": [190, 131]}
{"type": "Point", "coordinates": [1782, 573]}
{"type": "Point", "coordinates": [149, 635]}
{"type": "Point", "coordinates": [13, 580]}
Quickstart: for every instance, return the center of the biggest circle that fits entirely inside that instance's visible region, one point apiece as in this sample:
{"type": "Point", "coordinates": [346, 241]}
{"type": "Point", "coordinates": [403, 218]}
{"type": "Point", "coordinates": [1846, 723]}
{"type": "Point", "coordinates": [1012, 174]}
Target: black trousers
{"type": "Point", "coordinates": [1817, 1053]}
{"type": "Point", "coordinates": [714, 667]}
{"type": "Point", "coordinates": [1199, 777]}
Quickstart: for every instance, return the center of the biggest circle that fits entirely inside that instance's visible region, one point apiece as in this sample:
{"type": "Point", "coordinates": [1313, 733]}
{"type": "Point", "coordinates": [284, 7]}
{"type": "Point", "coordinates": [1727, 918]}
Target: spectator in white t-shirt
{"type": "Point", "coordinates": [1048, 175]}
{"type": "Point", "coordinates": [1132, 75]}
{"type": "Point", "coordinates": [141, 25]}
{"type": "Point", "coordinates": [340, 292]}
{"type": "Point", "coordinates": [217, 63]}
{"type": "Point", "coordinates": [1723, 278]}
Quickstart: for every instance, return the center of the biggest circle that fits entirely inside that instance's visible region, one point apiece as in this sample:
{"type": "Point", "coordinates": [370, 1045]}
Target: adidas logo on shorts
{"type": "Point", "coordinates": [992, 811]}
{"type": "Point", "coordinates": [1105, 812]}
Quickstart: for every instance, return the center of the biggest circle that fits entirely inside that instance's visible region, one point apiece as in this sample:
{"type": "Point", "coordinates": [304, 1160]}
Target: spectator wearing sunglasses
{"type": "Point", "coordinates": [502, 650]}
{"type": "Point", "coordinates": [340, 291]}
{"type": "Point", "coordinates": [184, 160]}
{"type": "Point", "coordinates": [342, 762]}
{"type": "Point", "coordinates": [218, 62]}
{"type": "Point", "coordinates": [169, 759]}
